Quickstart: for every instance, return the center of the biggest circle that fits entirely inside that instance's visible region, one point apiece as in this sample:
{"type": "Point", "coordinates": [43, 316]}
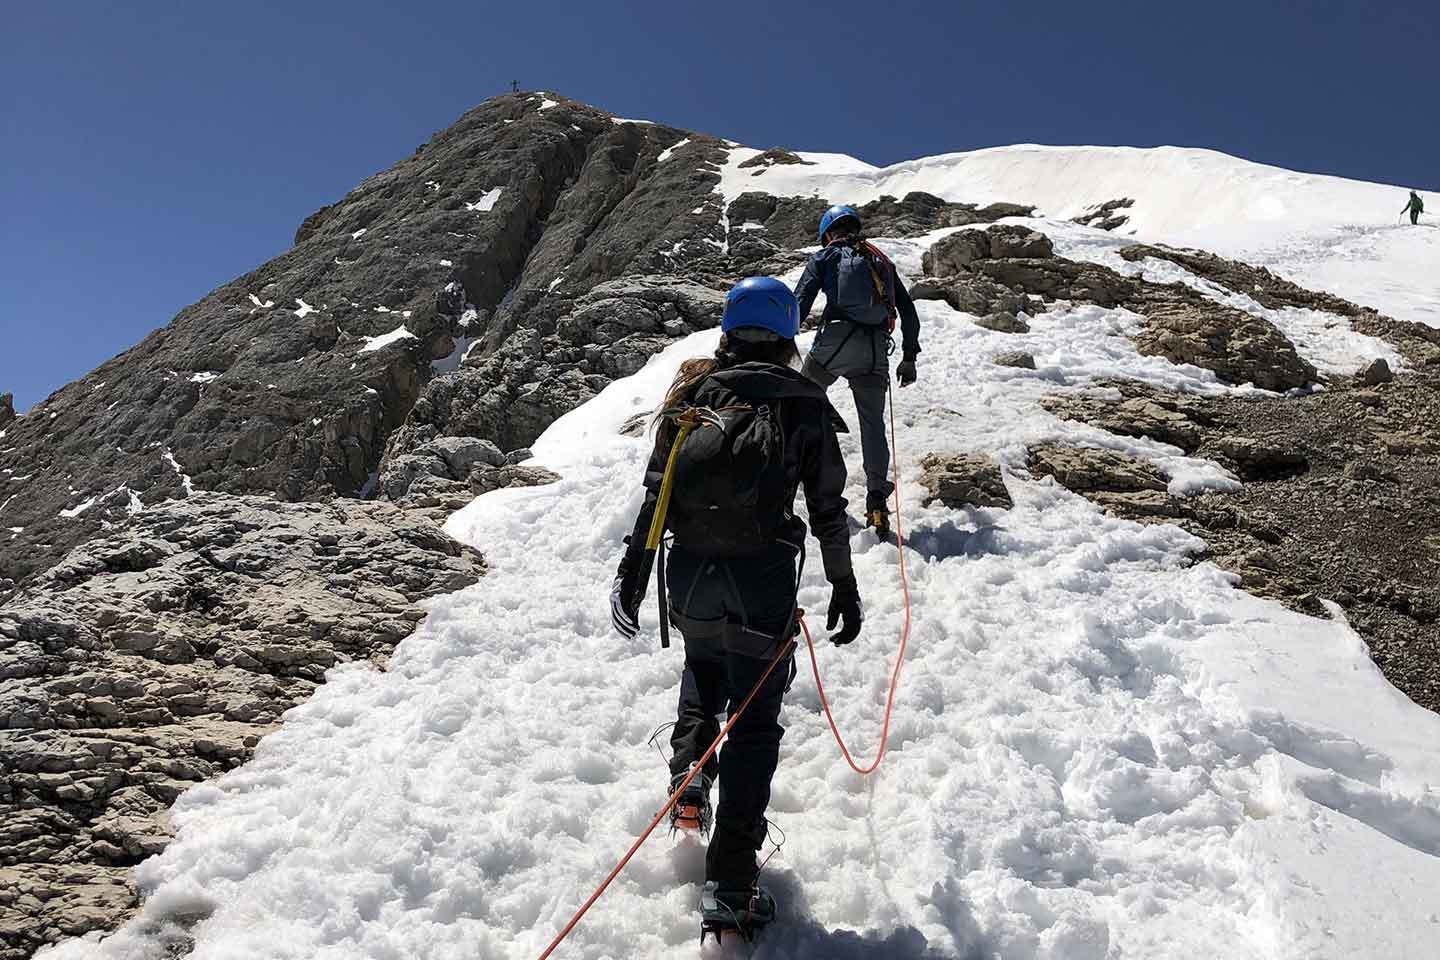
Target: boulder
{"type": "Point", "coordinates": [1090, 469]}
{"type": "Point", "coordinates": [1376, 372]}
{"type": "Point", "coordinates": [964, 480]}
{"type": "Point", "coordinates": [1012, 241]}
{"type": "Point", "coordinates": [1255, 459]}
{"type": "Point", "coordinates": [1002, 321]}
{"type": "Point", "coordinates": [1015, 358]}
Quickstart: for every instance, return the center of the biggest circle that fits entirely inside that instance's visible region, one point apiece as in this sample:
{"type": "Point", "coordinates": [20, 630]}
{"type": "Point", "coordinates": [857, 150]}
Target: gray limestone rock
{"type": "Point", "coordinates": [964, 480]}
{"type": "Point", "coordinates": [158, 655]}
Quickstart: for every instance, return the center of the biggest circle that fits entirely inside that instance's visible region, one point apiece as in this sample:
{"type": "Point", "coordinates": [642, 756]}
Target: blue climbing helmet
{"type": "Point", "coordinates": [832, 216]}
{"type": "Point", "coordinates": [762, 302]}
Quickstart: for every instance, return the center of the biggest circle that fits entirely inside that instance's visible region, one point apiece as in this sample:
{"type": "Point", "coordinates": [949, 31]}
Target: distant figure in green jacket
{"type": "Point", "coordinates": [1414, 206]}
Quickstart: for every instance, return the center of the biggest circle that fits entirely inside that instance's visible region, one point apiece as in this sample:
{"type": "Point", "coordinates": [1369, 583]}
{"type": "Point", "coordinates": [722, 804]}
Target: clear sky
{"type": "Point", "coordinates": [150, 151]}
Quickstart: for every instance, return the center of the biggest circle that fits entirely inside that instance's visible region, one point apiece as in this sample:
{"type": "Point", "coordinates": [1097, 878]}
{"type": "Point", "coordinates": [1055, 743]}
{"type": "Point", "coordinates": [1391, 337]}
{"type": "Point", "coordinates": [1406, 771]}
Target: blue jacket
{"type": "Point", "coordinates": [822, 273]}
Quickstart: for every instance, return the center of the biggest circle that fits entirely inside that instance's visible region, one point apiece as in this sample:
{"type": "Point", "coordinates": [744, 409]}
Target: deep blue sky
{"type": "Point", "coordinates": [150, 150]}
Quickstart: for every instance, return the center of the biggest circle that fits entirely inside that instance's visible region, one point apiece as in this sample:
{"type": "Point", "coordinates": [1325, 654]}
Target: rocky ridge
{"type": "Point", "coordinates": [421, 334]}
{"type": "Point", "coordinates": [158, 656]}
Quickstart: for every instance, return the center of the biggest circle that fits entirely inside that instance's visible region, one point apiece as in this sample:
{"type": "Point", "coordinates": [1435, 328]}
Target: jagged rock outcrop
{"type": "Point", "coordinates": [1418, 343]}
{"type": "Point", "coordinates": [1006, 271]}
{"type": "Point", "coordinates": [768, 158]}
{"type": "Point", "coordinates": [554, 364]}
{"type": "Point", "coordinates": [7, 409]}
{"type": "Point", "coordinates": [791, 222]}
{"type": "Point", "coordinates": [158, 656]}
{"type": "Point", "coordinates": [1178, 419]}
{"type": "Point", "coordinates": [1107, 215]}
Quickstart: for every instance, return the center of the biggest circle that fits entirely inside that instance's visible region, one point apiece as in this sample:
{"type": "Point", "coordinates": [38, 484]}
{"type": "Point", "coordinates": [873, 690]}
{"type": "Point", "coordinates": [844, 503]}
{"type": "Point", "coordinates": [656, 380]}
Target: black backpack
{"type": "Point", "coordinates": [865, 285]}
{"type": "Point", "coordinates": [729, 489]}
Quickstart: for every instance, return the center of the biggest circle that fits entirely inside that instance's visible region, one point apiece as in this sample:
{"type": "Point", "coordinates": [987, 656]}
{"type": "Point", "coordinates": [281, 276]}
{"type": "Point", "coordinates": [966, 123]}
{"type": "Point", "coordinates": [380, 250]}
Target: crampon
{"type": "Point", "coordinates": [739, 914]}
{"type": "Point", "coordinates": [692, 813]}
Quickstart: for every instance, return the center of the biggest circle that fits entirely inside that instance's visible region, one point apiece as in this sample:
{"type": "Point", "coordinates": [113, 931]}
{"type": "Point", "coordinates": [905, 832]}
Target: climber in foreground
{"type": "Point", "coordinates": [1414, 206]}
{"type": "Point", "coordinates": [863, 295]}
{"type": "Point", "coordinates": [759, 431]}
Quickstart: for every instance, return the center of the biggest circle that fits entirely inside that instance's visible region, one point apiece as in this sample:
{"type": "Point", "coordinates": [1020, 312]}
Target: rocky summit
{"type": "Point", "coordinates": [195, 533]}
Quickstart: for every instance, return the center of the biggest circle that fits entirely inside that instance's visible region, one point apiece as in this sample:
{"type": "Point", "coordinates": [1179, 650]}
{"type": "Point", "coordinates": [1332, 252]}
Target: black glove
{"type": "Point", "coordinates": [845, 605]}
{"type": "Point", "coordinates": [625, 603]}
{"type": "Point", "coordinates": [905, 372]}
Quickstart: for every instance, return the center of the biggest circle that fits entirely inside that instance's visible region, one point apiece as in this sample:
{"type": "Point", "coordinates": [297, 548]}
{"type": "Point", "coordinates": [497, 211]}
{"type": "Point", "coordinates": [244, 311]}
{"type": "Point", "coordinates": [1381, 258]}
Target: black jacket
{"type": "Point", "coordinates": [822, 273]}
{"type": "Point", "coordinates": [812, 457]}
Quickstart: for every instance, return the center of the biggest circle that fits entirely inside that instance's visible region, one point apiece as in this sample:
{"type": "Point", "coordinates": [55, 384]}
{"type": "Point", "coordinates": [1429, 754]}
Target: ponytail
{"type": "Point", "coordinates": [730, 352]}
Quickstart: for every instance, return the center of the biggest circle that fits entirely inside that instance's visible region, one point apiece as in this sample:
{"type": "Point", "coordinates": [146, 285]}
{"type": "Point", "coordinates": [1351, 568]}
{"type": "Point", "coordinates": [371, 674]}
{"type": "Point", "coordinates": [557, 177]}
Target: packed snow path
{"type": "Point", "coordinates": [1099, 752]}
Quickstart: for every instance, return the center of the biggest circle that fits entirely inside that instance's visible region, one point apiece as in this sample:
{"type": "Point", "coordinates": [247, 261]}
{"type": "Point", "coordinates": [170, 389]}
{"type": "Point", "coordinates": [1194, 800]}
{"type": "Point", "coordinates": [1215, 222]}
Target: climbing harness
{"type": "Point", "coordinates": [785, 646]}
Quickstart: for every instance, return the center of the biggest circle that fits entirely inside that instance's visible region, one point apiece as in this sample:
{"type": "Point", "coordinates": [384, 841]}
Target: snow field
{"type": "Point", "coordinates": [1323, 232]}
{"type": "Point", "coordinates": [1098, 752]}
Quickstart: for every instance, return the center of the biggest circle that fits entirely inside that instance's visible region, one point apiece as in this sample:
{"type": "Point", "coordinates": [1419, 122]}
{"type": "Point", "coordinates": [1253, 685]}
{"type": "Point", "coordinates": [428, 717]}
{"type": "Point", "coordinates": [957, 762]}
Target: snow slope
{"type": "Point", "coordinates": [1324, 232]}
{"type": "Point", "coordinates": [1099, 751]}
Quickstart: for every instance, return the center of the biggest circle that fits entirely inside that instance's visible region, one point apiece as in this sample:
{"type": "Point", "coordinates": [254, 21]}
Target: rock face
{"type": "Point", "coordinates": [290, 380]}
{"type": "Point", "coordinates": [7, 409]}
{"type": "Point", "coordinates": [158, 656]}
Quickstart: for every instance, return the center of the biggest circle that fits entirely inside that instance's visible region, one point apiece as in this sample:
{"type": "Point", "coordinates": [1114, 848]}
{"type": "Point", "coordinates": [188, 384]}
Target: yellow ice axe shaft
{"type": "Point", "coordinates": [686, 422]}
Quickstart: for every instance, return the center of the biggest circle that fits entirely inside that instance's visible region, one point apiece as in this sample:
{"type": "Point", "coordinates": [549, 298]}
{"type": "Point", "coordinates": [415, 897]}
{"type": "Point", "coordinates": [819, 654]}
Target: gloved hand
{"type": "Point", "coordinates": [844, 606]}
{"type": "Point", "coordinates": [625, 605]}
{"type": "Point", "coordinates": [905, 372]}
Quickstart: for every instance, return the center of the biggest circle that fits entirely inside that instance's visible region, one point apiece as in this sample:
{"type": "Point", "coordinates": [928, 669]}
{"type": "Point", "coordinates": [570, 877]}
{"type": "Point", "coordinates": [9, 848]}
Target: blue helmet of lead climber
{"type": "Point", "coordinates": [761, 303]}
{"type": "Point", "coordinates": [836, 215]}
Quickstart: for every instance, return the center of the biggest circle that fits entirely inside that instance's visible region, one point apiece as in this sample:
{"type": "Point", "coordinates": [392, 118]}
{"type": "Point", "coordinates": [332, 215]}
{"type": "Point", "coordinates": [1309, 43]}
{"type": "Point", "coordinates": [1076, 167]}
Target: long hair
{"type": "Point", "coordinates": [730, 352]}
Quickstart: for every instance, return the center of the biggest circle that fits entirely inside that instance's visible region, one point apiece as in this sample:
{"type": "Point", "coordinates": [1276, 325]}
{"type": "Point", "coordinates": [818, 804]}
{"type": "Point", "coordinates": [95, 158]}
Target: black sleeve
{"type": "Point", "coordinates": [807, 289]}
{"type": "Point", "coordinates": [909, 321]}
{"type": "Point", "coordinates": [634, 558]}
{"type": "Point", "coordinates": [823, 475]}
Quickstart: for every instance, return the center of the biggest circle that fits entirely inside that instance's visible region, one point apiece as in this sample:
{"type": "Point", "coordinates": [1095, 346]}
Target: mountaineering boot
{"type": "Point", "coordinates": [877, 512]}
{"type": "Point", "coordinates": [879, 518]}
{"type": "Point", "coordinates": [691, 813]}
{"type": "Point", "coordinates": [741, 911]}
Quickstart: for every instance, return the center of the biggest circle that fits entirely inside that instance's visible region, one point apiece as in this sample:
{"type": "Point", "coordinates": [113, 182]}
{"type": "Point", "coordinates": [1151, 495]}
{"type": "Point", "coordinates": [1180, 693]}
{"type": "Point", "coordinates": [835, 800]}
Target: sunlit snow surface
{"type": "Point", "coordinates": [1328, 233]}
{"type": "Point", "coordinates": [1099, 752]}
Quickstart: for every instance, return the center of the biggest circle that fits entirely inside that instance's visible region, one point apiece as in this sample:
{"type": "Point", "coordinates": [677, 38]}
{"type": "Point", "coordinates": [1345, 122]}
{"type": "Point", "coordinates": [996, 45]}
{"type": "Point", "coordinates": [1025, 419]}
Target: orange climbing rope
{"type": "Point", "coordinates": [780, 654]}
{"type": "Point", "coordinates": [904, 634]}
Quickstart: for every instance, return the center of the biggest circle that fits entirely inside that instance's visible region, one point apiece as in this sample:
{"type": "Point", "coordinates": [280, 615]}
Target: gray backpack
{"type": "Point", "coordinates": [865, 287]}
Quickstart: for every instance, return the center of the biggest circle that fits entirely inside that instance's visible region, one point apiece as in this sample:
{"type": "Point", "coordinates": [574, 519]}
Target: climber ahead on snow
{"type": "Point", "coordinates": [739, 433]}
{"type": "Point", "coordinates": [1414, 206]}
{"type": "Point", "coordinates": [863, 296]}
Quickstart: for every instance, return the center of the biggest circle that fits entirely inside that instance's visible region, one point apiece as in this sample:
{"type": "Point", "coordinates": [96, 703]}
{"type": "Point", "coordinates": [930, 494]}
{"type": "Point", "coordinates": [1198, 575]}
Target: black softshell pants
{"type": "Point", "coordinates": [732, 615]}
